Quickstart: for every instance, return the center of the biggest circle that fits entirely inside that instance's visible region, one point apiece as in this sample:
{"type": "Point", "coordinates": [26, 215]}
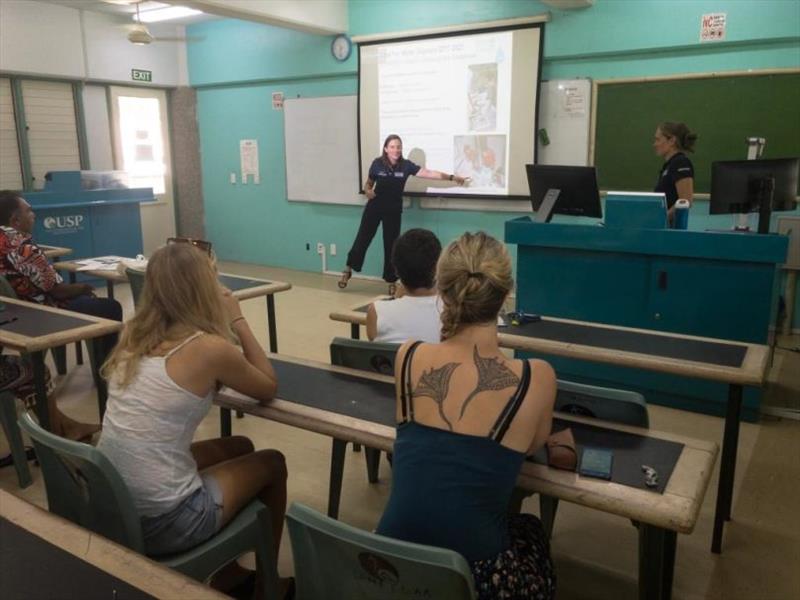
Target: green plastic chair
{"type": "Point", "coordinates": [84, 487]}
{"type": "Point", "coordinates": [335, 560]}
{"type": "Point", "coordinates": [377, 357]}
{"type": "Point", "coordinates": [8, 420]}
{"type": "Point", "coordinates": [136, 280]}
{"type": "Point", "coordinates": [609, 404]}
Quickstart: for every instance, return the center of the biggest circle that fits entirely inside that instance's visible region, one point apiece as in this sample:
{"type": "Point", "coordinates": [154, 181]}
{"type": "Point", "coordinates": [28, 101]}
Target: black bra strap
{"type": "Point", "coordinates": [407, 406]}
{"type": "Point", "coordinates": [509, 412]}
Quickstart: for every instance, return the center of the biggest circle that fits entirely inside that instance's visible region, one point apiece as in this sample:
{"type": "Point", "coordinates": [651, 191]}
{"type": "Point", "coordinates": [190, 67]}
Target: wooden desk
{"type": "Point", "coordinates": [242, 288]}
{"type": "Point", "coordinates": [661, 516]}
{"type": "Point", "coordinates": [45, 556]}
{"type": "Point", "coordinates": [752, 370]}
{"type": "Point", "coordinates": [36, 328]}
{"type": "Point", "coordinates": [54, 251]}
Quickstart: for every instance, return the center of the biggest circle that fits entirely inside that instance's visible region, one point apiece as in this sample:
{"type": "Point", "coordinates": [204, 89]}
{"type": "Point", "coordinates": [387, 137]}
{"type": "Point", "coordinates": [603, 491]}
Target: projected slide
{"type": "Point", "coordinates": [462, 103]}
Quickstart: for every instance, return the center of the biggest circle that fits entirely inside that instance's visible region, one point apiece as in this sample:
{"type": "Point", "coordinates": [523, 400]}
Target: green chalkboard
{"type": "Point", "coordinates": [723, 111]}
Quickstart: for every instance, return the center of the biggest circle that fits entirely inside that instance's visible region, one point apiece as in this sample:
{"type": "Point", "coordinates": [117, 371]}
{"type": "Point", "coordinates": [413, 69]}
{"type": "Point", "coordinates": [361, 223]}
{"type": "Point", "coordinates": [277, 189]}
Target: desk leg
{"type": "Point", "coordinates": [727, 468]}
{"type": "Point", "coordinates": [337, 470]}
{"type": "Point", "coordinates": [791, 287]}
{"type": "Point", "coordinates": [271, 324]}
{"type": "Point", "coordinates": [40, 385]}
{"type": "Point", "coordinates": [355, 331]}
{"type": "Point", "coordinates": [110, 288]}
{"type": "Point", "coordinates": [656, 562]}
{"type": "Point", "coordinates": [78, 345]}
{"type": "Point", "coordinates": [225, 422]}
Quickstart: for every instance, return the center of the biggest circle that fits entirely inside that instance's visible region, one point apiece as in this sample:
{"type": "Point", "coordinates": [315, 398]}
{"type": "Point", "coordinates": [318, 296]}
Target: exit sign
{"type": "Point", "coordinates": [139, 75]}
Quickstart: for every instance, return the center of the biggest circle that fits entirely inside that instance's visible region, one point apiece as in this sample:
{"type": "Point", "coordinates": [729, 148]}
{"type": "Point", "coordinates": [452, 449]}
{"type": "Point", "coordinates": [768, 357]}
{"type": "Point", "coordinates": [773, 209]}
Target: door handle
{"type": "Point", "coordinates": [662, 280]}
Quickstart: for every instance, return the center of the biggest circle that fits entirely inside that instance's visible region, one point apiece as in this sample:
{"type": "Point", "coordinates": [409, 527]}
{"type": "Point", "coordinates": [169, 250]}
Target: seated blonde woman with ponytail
{"type": "Point", "coordinates": [172, 356]}
{"type": "Point", "coordinates": [467, 418]}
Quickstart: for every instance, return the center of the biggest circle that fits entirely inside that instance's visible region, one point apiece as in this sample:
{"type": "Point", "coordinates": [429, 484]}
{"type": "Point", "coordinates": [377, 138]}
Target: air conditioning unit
{"type": "Point", "coordinates": [568, 4]}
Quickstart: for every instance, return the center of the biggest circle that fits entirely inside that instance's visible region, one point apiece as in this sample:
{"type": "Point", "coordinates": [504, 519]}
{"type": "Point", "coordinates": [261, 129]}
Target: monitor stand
{"type": "Point", "coordinates": [764, 187]}
{"type": "Point", "coordinates": [545, 212]}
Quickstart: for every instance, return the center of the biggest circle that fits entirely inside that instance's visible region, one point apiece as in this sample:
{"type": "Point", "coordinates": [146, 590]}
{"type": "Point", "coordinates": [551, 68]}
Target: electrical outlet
{"type": "Point", "coordinates": [320, 248]}
{"type": "Point", "coordinates": [333, 249]}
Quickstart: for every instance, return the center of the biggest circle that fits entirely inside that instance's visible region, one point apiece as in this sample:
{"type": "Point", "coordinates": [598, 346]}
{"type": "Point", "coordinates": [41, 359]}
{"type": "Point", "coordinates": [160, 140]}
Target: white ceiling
{"type": "Point", "coordinates": [125, 9]}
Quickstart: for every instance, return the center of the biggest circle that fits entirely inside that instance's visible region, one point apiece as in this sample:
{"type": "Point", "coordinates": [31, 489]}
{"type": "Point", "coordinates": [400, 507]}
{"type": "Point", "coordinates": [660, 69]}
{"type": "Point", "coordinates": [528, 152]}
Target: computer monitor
{"type": "Point", "coordinates": [763, 186]}
{"type": "Point", "coordinates": [563, 190]}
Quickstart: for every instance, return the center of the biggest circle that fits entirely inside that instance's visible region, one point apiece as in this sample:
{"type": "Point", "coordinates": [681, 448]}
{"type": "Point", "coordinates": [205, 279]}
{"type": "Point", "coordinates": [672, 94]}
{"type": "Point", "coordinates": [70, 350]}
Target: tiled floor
{"type": "Point", "coordinates": [595, 553]}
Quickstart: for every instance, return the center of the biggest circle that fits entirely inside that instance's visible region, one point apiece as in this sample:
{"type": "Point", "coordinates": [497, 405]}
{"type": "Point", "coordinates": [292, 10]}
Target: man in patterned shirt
{"type": "Point", "coordinates": [33, 278]}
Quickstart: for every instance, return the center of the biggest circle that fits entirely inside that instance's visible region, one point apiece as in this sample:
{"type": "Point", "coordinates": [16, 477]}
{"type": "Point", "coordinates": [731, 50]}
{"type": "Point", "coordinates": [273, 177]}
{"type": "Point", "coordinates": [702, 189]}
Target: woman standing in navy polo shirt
{"type": "Point", "coordinates": [384, 190]}
{"type": "Point", "coordinates": [676, 177]}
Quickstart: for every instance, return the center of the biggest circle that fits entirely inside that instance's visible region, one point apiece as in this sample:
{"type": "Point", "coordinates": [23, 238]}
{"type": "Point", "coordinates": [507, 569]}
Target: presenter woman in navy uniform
{"type": "Point", "coordinates": [384, 190]}
{"type": "Point", "coordinates": [676, 178]}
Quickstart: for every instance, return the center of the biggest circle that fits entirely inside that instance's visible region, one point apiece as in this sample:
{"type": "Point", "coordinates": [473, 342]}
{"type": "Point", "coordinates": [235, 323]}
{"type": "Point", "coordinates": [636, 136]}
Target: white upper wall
{"type": "Point", "coordinates": [313, 16]}
{"type": "Point", "coordinates": [52, 40]}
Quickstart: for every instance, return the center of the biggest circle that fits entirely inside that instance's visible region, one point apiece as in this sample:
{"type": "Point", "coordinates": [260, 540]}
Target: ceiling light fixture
{"type": "Point", "coordinates": [165, 14]}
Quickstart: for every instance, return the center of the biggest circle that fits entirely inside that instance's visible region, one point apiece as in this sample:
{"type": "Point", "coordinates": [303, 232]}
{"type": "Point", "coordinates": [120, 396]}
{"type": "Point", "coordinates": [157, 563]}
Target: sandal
{"type": "Point", "coordinates": [346, 275]}
{"type": "Point", "coordinates": [392, 289]}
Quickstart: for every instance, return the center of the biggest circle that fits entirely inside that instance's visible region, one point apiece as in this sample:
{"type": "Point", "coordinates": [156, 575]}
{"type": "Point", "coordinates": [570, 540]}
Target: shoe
{"type": "Point", "coordinates": [392, 289]}
{"type": "Point", "coordinates": [346, 275]}
{"type": "Point", "coordinates": [289, 593]}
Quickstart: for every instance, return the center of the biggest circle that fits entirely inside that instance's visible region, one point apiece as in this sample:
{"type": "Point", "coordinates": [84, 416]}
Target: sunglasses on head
{"type": "Point", "coordinates": [199, 244]}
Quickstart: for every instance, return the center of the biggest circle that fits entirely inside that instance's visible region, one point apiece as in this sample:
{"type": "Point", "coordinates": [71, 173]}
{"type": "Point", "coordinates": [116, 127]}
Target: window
{"type": "Point", "coordinates": [52, 129]}
{"type": "Point", "coordinates": [10, 169]}
{"type": "Point", "coordinates": [141, 142]}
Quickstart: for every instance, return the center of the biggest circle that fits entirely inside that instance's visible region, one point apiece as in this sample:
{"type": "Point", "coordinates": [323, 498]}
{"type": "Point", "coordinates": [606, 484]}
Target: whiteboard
{"type": "Point", "coordinates": [320, 137]}
{"type": "Point", "coordinates": [564, 112]}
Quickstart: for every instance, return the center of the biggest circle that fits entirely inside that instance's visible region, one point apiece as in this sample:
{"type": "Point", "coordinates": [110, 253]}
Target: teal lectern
{"type": "Point", "coordinates": [719, 285]}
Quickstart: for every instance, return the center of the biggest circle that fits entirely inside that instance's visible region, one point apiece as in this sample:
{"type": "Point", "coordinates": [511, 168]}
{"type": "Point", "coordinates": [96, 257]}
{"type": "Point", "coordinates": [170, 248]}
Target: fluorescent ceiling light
{"type": "Point", "coordinates": [167, 13]}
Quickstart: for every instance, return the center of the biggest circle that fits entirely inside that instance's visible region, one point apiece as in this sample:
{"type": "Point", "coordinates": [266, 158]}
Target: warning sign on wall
{"type": "Point", "coordinates": [712, 27]}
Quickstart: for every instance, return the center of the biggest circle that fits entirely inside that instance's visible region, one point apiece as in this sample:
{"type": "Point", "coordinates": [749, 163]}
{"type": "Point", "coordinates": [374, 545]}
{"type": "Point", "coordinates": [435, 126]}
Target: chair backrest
{"type": "Point", "coordinates": [335, 560]}
{"type": "Point", "coordinates": [377, 357]}
{"type": "Point", "coordinates": [136, 279]}
{"type": "Point", "coordinates": [617, 406]}
{"type": "Point", "coordinates": [84, 487]}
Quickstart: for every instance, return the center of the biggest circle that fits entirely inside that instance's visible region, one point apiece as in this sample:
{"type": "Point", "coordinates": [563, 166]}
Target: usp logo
{"type": "Point", "coordinates": [65, 222]}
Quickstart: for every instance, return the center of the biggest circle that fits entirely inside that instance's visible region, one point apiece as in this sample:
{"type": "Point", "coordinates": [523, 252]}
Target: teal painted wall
{"type": "Point", "coordinates": [238, 65]}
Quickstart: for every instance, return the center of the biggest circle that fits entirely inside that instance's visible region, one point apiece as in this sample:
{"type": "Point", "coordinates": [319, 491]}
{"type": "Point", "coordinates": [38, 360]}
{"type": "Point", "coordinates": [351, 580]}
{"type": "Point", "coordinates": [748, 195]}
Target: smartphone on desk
{"type": "Point", "coordinates": [596, 462]}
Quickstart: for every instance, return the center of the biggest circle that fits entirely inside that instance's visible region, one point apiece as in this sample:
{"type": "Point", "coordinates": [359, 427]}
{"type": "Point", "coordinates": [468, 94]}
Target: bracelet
{"type": "Point", "coordinates": [451, 177]}
{"type": "Point", "coordinates": [236, 320]}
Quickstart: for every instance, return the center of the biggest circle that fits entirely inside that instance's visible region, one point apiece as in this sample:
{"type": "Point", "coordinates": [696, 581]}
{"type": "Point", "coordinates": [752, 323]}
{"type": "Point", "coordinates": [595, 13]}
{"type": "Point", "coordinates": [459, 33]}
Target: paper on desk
{"type": "Point", "coordinates": [99, 263]}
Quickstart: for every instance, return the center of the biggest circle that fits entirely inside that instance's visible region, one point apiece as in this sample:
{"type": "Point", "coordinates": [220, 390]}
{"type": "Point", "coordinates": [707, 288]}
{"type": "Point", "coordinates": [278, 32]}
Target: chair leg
{"type": "Point", "coordinates": [265, 557]}
{"type": "Point", "coordinates": [8, 418]}
{"type": "Point", "coordinates": [60, 358]}
{"type": "Point", "coordinates": [547, 508]}
{"type": "Point", "coordinates": [373, 460]}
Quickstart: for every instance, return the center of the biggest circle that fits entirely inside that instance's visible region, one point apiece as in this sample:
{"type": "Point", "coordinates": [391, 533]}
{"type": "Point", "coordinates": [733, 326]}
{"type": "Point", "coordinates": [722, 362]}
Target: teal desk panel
{"type": "Point", "coordinates": [717, 285]}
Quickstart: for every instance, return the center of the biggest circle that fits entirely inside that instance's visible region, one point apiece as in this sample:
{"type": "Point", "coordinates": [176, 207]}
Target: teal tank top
{"type": "Point", "coordinates": [450, 489]}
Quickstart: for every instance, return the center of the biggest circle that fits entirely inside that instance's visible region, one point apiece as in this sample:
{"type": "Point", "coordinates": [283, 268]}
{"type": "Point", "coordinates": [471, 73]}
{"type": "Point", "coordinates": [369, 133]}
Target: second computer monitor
{"type": "Point", "coordinates": [563, 190]}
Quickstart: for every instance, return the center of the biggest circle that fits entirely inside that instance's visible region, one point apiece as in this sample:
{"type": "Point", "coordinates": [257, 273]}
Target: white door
{"type": "Point", "coordinates": [141, 149]}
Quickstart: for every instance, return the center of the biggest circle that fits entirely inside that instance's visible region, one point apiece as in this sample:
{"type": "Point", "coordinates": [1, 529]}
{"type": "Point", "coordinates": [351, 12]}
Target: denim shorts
{"type": "Point", "coordinates": [192, 522]}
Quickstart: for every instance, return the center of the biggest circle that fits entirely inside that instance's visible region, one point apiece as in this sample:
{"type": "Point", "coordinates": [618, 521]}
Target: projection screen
{"type": "Point", "coordinates": [463, 102]}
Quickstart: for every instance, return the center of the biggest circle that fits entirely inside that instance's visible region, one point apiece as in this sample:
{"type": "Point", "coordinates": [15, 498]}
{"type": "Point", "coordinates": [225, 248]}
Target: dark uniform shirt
{"type": "Point", "coordinates": [390, 181]}
{"type": "Point", "coordinates": [676, 168]}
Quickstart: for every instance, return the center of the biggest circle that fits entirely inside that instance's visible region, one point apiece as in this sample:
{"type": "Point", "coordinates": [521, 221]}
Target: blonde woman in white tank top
{"type": "Point", "coordinates": [172, 357]}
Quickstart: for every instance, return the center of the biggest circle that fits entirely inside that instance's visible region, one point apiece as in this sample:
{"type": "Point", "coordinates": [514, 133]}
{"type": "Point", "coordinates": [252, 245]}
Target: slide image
{"type": "Point", "coordinates": [482, 97]}
{"type": "Point", "coordinates": [481, 158]}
